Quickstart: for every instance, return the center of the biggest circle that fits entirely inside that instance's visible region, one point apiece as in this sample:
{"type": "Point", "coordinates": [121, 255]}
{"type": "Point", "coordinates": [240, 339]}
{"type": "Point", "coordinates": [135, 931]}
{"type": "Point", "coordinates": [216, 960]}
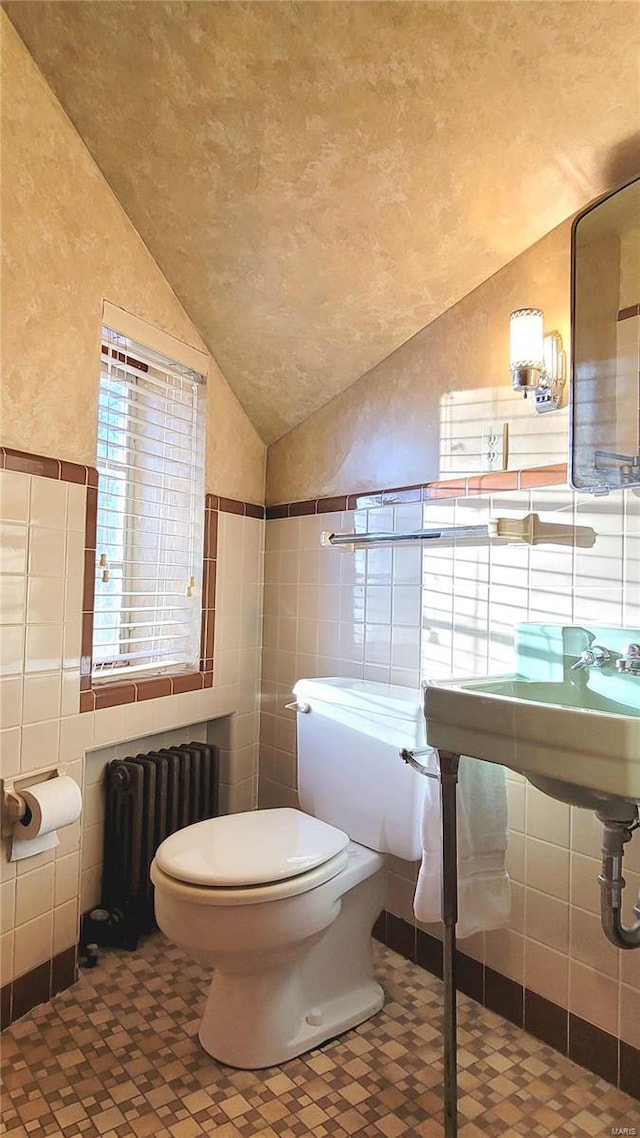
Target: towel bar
{"type": "Point", "coordinates": [409, 757]}
{"type": "Point", "coordinates": [530, 530]}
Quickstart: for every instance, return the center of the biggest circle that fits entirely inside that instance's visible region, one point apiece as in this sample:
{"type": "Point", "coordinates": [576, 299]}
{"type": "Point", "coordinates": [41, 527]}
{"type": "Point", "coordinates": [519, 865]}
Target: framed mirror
{"type": "Point", "coordinates": [604, 444]}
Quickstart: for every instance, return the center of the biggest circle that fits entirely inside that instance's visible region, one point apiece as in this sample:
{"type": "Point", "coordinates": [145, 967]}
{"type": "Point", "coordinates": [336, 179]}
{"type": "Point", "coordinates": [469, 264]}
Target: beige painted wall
{"type": "Point", "coordinates": [68, 245]}
{"type": "Point", "coordinates": [630, 266]}
{"type": "Point", "coordinates": [357, 167]}
{"type": "Point", "coordinates": [394, 426]}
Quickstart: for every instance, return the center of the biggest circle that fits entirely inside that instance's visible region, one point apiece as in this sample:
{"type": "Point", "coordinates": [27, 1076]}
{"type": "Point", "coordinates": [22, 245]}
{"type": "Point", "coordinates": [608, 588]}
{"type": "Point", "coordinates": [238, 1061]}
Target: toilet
{"type": "Point", "coordinates": [280, 903]}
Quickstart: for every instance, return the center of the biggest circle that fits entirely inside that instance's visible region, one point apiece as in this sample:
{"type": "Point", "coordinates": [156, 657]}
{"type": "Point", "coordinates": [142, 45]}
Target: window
{"type": "Point", "coordinates": [150, 462]}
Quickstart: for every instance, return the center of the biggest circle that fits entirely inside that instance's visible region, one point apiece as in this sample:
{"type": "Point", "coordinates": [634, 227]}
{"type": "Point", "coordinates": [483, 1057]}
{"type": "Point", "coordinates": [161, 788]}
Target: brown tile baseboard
{"type": "Point", "coordinates": [401, 937]}
{"type": "Point", "coordinates": [19, 996]}
{"type": "Point", "coordinates": [630, 1069]}
{"type": "Point", "coordinates": [555, 474]}
{"type": "Point", "coordinates": [546, 1021]}
{"type": "Point", "coordinates": [612, 1059]}
{"type": "Point", "coordinates": [595, 1049]}
{"type": "Point", "coordinates": [470, 976]}
{"type": "Point", "coordinates": [504, 996]}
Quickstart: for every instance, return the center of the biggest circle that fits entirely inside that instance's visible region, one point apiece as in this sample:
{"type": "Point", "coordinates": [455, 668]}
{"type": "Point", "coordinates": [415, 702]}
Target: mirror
{"type": "Point", "coordinates": [605, 337]}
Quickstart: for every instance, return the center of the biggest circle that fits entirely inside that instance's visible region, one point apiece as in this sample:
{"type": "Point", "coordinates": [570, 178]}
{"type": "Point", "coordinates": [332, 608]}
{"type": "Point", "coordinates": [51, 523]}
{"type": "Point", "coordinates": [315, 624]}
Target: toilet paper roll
{"type": "Point", "coordinates": [50, 806]}
{"type": "Point", "coordinates": [33, 846]}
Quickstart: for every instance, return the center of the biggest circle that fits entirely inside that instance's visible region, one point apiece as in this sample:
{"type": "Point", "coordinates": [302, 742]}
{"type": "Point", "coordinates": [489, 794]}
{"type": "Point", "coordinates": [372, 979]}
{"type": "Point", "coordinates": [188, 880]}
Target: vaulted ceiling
{"type": "Point", "coordinates": [319, 180]}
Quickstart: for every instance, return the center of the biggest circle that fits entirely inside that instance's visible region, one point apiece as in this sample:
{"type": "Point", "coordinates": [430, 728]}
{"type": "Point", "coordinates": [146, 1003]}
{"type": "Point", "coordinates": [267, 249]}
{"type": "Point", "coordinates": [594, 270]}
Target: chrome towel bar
{"type": "Point", "coordinates": [528, 530]}
{"type": "Point", "coordinates": [411, 759]}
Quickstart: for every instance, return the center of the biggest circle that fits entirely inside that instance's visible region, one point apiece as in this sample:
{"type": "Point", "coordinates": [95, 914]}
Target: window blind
{"type": "Point", "coordinates": [150, 464]}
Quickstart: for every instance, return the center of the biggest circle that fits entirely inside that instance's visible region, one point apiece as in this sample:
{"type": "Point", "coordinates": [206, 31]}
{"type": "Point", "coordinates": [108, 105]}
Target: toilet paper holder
{"type": "Point", "coordinates": [14, 806]}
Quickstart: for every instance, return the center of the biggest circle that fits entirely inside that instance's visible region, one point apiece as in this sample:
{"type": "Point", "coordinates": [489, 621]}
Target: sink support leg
{"type": "Point", "coordinates": [448, 782]}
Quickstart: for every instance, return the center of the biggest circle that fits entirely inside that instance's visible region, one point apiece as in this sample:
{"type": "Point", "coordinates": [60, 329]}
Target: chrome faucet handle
{"type": "Point", "coordinates": [594, 657]}
{"type": "Point", "coordinates": [629, 662]}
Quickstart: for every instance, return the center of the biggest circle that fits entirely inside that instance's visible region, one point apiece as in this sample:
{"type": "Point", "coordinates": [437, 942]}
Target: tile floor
{"type": "Point", "coordinates": [117, 1055]}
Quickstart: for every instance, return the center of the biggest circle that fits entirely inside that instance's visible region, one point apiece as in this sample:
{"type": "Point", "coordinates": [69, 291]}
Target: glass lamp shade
{"type": "Point", "coordinates": [526, 347]}
{"type": "Point", "coordinates": [526, 338]}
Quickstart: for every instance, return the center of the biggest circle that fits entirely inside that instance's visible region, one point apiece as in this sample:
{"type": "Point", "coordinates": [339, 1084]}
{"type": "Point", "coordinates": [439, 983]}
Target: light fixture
{"type": "Point", "coordinates": [536, 361]}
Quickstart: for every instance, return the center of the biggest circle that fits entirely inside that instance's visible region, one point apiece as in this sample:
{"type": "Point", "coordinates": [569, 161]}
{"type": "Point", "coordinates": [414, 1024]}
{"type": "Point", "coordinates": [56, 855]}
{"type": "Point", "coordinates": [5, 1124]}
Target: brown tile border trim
{"type": "Point", "coordinates": [46, 467]}
{"type": "Point", "coordinates": [525, 479]}
{"type": "Point", "coordinates": [19, 996]}
{"type": "Point", "coordinates": [632, 310]}
{"type": "Point", "coordinates": [61, 470]}
{"type": "Point", "coordinates": [235, 506]}
{"type": "Point", "coordinates": [536, 476]}
{"type": "Point", "coordinates": [94, 697]}
{"type": "Point", "coordinates": [612, 1059]}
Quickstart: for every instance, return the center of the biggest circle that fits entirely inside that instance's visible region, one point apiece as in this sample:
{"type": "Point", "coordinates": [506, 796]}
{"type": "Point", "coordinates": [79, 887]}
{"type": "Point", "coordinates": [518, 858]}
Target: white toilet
{"type": "Point", "coordinates": [281, 903]}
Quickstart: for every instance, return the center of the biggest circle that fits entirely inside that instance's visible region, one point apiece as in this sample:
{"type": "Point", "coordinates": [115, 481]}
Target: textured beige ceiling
{"type": "Point", "coordinates": [317, 180]}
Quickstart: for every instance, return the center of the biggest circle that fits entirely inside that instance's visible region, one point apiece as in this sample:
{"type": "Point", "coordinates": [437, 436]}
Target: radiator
{"type": "Point", "coordinates": [149, 797]}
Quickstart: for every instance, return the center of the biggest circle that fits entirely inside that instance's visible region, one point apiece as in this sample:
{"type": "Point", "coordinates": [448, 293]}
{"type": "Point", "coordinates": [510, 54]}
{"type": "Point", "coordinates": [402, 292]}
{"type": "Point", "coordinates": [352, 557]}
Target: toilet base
{"type": "Point", "coordinates": [335, 1017]}
{"type": "Point", "coordinates": [318, 989]}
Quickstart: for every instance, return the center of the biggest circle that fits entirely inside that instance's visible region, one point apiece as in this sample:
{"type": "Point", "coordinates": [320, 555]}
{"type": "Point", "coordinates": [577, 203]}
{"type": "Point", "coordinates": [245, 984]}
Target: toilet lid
{"type": "Point", "coordinates": [249, 849]}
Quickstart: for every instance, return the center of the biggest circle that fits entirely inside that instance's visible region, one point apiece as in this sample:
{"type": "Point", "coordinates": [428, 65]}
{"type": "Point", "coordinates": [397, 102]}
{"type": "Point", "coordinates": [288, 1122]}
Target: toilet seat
{"type": "Point", "coordinates": [228, 896]}
{"type": "Point", "coordinates": [251, 850]}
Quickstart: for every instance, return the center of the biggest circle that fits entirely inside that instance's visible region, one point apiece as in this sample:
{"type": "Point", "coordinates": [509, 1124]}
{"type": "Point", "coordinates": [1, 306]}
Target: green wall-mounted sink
{"type": "Point", "coordinates": [550, 722]}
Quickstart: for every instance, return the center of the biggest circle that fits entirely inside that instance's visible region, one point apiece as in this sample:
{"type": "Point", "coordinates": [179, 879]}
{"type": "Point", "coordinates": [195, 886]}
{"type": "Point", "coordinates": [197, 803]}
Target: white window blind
{"type": "Point", "coordinates": [147, 615]}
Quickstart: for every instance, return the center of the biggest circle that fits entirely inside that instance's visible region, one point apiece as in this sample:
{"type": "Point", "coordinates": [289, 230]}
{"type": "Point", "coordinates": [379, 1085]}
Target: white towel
{"type": "Point", "coordinates": [484, 900]}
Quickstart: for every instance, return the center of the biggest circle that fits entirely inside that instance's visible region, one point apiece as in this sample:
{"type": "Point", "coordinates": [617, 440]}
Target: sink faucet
{"type": "Point", "coordinates": [596, 657]}
{"type": "Point", "coordinates": [629, 662]}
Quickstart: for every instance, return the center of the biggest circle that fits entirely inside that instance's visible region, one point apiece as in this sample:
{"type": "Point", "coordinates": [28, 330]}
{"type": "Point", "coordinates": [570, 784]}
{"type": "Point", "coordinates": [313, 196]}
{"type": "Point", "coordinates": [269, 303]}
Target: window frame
{"type": "Point", "coordinates": [130, 331]}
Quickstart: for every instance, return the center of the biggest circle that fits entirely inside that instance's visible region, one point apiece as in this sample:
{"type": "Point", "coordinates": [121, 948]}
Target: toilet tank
{"type": "Point", "coordinates": [349, 770]}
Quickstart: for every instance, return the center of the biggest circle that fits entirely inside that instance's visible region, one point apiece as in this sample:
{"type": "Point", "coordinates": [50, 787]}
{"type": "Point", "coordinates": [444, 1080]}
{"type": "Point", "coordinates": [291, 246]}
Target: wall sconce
{"type": "Point", "coordinates": [536, 361]}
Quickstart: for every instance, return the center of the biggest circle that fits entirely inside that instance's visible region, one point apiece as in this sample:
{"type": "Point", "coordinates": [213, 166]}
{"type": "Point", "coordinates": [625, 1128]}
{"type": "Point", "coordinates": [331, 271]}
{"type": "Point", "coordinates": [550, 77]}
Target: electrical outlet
{"type": "Point", "coordinates": [494, 446]}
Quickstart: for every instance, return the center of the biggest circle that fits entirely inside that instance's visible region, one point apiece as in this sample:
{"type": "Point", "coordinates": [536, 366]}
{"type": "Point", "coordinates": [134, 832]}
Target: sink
{"type": "Point", "coordinates": [574, 734]}
{"type": "Point", "coordinates": [574, 694]}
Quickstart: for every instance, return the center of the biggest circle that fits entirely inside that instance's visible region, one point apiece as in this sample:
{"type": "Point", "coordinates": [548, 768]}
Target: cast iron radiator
{"type": "Point", "coordinates": [149, 797]}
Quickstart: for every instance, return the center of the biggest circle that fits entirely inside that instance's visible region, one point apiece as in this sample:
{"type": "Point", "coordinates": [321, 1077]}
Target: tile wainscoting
{"type": "Point", "coordinates": [45, 595]}
{"type": "Point", "coordinates": [400, 614]}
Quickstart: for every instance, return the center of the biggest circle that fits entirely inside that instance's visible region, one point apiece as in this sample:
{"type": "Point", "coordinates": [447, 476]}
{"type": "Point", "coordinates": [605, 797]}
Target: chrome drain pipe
{"type": "Point", "coordinates": [614, 835]}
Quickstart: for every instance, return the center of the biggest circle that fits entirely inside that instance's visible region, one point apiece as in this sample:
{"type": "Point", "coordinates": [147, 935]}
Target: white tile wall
{"type": "Point", "coordinates": [371, 625]}
{"type": "Point", "coordinates": [330, 612]}
{"type": "Point", "coordinates": [42, 539]}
